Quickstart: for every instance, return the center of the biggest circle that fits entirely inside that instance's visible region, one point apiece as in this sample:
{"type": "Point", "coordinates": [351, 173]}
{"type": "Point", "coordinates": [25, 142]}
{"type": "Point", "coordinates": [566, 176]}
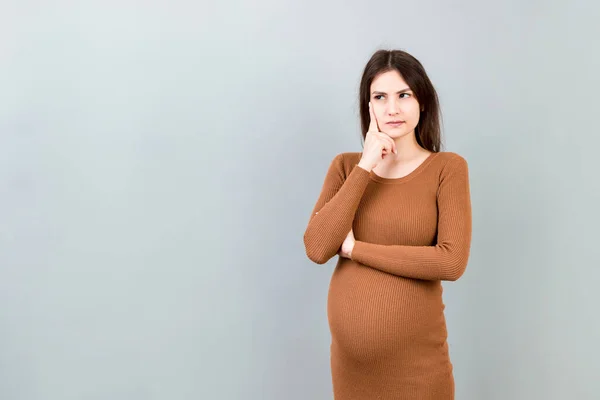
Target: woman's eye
{"type": "Point", "coordinates": [379, 96]}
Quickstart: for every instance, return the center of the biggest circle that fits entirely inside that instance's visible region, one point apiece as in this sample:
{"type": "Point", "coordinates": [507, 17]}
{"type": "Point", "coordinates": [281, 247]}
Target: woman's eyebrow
{"type": "Point", "coordinates": [401, 91]}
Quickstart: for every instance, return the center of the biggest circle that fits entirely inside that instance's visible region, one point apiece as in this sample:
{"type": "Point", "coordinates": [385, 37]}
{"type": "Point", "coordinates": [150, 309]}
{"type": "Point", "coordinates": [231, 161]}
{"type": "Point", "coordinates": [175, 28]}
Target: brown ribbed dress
{"type": "Point", "coordinates": [385, 308]}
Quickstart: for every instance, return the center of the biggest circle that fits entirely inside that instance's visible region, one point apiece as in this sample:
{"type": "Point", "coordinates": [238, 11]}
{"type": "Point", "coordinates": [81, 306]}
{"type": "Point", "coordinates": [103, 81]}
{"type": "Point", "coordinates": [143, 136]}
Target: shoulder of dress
{"type": "Point", "coordinates": [450, 158]}
{"type": "Point", "coordinates": [348, 160]}
{"type": "Point", "coordinates": [451, 163]}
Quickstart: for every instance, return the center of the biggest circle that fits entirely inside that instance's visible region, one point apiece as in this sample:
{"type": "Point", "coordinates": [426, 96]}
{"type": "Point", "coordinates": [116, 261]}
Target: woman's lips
{"type": "Point", "coordinates": [395, 124]}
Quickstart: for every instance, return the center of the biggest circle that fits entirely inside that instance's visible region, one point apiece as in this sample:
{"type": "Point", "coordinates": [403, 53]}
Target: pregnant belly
{"type": "Point", "coordinates": [373, 314]}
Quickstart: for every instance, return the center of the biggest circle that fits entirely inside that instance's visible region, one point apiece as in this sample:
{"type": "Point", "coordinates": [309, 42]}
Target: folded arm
{"type": "Point", "coordinates": [333, 214]}
{"type": "Point", "coordinates": [446, 260]}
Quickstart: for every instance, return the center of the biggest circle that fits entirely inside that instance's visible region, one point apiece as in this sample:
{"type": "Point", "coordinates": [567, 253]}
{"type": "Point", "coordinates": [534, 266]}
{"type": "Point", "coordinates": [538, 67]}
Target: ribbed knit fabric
{"type": "Point", "coordinates": [385, 308]}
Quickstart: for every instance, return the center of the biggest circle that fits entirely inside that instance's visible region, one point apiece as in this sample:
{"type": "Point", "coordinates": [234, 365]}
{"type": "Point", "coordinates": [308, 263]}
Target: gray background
{"type": "Point", "coordinates": [159, 161]}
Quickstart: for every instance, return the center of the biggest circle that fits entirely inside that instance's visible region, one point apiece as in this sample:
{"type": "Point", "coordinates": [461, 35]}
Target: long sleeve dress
{"type": "Point", "coordinates": [385, 308]}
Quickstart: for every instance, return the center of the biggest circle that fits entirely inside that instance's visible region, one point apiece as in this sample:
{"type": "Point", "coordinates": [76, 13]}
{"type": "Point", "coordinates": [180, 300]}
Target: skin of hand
{"type": "Point", "coordinates": [347, 246]}
{"type": "Point", "coordinates": [377, 144]}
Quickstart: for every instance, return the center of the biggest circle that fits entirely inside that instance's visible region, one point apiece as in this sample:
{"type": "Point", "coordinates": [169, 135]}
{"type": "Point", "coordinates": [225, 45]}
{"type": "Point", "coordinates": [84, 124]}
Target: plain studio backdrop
{"type": "Point", "coordinates": [159, 161]}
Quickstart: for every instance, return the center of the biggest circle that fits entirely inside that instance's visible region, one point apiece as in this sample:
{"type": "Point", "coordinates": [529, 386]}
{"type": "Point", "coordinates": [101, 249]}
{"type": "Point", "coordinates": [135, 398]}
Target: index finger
{"type": "Point", "coordinates": [373, 126]}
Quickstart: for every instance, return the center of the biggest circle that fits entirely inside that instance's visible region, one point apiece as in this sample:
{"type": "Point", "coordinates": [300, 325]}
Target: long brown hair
{"type": "Point", "coordinates": [428, 130]}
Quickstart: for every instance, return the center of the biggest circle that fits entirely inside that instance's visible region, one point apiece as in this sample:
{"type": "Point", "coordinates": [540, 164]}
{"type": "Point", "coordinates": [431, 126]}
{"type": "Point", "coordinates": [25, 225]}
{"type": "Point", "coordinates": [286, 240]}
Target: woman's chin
{"type": "Point", "coordinates": [397, 133]}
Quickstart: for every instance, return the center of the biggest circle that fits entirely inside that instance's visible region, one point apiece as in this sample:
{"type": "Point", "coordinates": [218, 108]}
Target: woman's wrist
{"type": "Point", "coordinates": [364, 166]}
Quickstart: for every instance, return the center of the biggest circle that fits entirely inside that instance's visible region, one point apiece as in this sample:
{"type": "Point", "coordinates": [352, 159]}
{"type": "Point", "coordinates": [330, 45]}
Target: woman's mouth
{"type": "Point", "coordinates": [395, 123]}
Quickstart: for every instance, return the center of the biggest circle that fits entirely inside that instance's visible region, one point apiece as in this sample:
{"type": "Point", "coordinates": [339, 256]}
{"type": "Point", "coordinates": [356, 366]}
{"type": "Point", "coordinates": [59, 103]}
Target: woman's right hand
{"type": "Point", "coordinates": [377, 144]}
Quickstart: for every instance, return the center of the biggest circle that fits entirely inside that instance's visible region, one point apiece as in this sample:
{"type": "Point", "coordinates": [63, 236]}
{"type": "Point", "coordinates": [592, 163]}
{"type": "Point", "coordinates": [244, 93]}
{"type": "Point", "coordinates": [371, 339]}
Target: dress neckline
{"type": "Point", "coordinates": [406, 177]}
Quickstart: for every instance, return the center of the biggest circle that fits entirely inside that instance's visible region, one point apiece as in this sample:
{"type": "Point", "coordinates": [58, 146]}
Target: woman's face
{"type": "Point", "coordinates": [394, 101]}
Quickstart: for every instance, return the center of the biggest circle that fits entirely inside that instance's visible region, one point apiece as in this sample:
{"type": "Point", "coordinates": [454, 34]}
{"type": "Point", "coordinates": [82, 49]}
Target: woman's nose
{"type": "Point", "coordinates": [392, 108]}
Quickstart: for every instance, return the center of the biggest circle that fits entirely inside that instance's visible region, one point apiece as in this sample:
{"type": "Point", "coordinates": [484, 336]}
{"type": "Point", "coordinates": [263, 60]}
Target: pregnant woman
{"type": "Point", "coordinates": [398, 215]}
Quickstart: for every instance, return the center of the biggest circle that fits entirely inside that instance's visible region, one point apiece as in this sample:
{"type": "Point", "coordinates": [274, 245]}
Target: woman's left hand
{"type": "Point", "coordinates": [347, 246]}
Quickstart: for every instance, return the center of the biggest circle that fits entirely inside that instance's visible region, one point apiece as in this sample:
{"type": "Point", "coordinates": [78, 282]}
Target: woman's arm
{"type": "Point", "coordinates": [446, 260]}
{"type": "Point", "coordinates": [332, 216]}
